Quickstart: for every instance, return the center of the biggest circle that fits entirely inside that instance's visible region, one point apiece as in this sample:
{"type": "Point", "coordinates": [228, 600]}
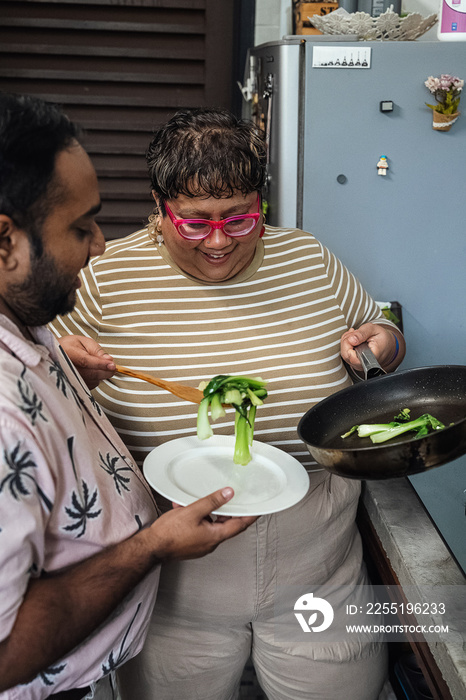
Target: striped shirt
{"type": "Point", "coordinates": [280, 319]}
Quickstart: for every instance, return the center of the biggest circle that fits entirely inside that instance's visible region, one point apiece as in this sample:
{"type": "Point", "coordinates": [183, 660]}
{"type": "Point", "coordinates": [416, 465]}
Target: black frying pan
{"type": "Point", "coordinates": [440, 391]}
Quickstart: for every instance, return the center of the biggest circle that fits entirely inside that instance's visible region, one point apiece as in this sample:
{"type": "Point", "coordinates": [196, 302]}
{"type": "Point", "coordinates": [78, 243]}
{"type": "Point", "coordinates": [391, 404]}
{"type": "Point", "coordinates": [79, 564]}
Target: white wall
{"type": "Point", "coordinates": [274, 18]}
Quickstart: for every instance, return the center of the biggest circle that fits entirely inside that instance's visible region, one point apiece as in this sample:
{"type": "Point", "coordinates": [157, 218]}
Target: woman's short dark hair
{"type": "Point", "coordinates": [32, 133]}
{"type": "Point", "coordinates": [207, 152]}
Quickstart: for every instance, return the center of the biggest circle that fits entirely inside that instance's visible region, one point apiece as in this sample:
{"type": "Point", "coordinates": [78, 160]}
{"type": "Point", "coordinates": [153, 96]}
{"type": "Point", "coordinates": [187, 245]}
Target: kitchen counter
{"type": "Point", "coordinates": [410, 550]}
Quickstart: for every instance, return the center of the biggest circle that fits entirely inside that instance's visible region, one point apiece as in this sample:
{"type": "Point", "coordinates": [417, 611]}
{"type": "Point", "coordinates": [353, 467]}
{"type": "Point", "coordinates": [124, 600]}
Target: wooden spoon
{"type": "Point", "coordinates": [188, 393]}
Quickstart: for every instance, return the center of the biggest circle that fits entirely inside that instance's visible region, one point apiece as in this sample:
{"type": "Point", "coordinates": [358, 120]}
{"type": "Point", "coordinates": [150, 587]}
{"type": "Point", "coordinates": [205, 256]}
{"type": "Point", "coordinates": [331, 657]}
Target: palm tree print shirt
{"type": "Point", "coordinates": [68, 488]}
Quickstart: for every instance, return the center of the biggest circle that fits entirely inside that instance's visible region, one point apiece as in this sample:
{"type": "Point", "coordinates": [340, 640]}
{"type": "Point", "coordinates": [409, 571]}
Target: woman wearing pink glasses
{"type": "Point", "coordinates": [207, 288]}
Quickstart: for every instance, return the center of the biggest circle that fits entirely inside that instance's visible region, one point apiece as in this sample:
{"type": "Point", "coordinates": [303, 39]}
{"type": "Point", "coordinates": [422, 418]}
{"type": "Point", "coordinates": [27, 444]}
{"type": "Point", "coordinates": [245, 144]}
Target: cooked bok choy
{"type": "Point", "coordinates": [381, 432]}
{"type": "Point", "coordinates": [244, 394]}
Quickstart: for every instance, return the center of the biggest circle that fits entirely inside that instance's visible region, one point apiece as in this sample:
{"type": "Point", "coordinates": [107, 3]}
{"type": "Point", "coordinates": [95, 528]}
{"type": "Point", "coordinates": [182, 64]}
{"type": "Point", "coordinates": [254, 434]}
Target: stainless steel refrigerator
{"type": "Point", "coordinates": [403, 234]}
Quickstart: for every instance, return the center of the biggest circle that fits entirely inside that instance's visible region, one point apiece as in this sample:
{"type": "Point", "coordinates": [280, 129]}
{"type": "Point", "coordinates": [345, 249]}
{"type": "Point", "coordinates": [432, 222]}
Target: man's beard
{"type": "Point", "coordinates": [44, 294]}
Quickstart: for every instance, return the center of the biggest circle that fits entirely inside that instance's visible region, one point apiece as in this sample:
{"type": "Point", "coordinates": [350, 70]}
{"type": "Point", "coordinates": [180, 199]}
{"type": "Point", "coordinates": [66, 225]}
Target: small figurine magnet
{"type": "Point", "coordinates": [382, 166]}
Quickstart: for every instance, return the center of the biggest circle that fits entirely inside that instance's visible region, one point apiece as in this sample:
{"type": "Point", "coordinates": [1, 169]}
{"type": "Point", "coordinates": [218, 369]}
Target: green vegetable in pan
{"type": "Point", "coordinates": [244, 394]}
{"type": "Point", "coordinates": [381, 432]}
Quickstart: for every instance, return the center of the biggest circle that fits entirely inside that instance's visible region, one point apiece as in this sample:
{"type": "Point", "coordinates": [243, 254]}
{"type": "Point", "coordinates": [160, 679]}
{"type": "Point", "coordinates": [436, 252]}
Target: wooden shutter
{"type": "Point", "coordinates": [119, 68]}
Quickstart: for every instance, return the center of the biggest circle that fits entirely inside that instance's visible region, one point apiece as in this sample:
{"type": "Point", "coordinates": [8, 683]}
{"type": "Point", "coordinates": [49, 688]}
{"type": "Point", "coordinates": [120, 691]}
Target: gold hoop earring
{"type": "Point", "coordinates": [153, 227]}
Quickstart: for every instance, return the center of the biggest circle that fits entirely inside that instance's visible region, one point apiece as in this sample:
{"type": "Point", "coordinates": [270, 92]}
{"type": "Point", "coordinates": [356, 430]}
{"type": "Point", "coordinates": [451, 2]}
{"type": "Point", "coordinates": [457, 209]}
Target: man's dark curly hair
{"type": "Point", "coordinates": [206, 152]}
{"type": "Point", "coordinates": [32, 133]}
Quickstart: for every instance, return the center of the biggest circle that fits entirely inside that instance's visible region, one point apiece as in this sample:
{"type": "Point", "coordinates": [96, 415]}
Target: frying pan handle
{"type": "Point", "coordinates": [369, 363]}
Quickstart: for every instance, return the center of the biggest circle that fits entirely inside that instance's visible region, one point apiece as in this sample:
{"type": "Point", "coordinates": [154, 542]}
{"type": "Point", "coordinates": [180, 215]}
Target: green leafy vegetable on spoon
{"type": "Point", "coordinates": [244, 394]}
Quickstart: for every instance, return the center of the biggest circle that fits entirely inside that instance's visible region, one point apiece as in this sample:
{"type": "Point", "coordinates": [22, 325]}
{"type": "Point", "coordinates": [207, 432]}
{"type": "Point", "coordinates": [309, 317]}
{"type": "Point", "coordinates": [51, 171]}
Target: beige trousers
{"type": "Point", "coordinates": [213, 613]}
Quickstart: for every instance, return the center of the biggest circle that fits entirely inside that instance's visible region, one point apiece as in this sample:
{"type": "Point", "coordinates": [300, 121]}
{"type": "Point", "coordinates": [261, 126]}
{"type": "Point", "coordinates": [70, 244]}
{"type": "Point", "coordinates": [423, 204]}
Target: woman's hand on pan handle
{"type": "Point", "coordinates": [386, 342]}
{"type": "Point", "coordinates": [89, 358]}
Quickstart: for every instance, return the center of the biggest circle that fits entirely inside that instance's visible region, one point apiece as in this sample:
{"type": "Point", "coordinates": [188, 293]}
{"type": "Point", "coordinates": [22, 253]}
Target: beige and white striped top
{"type": "Point", "coordinates": [281, 319]}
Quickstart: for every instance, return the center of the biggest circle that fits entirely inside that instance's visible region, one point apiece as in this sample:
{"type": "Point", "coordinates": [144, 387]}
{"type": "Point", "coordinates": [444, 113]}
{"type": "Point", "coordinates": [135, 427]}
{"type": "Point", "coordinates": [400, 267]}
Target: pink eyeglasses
{"type": "Point", "coordinates": [232, 226]}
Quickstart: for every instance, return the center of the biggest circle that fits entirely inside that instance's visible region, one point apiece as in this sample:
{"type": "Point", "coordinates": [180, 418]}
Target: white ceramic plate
{"type": "Point", "coordinates": [186, 469]}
